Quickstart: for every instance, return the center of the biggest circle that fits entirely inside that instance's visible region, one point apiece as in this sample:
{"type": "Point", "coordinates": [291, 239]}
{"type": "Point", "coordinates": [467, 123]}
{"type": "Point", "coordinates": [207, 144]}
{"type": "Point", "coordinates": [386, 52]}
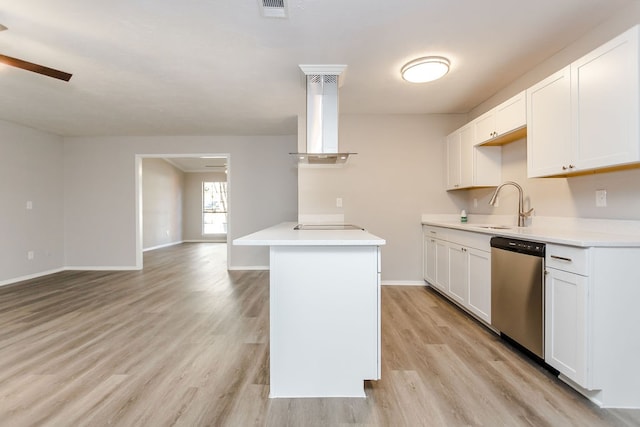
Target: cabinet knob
{"type": "Point", "coordinates": [571, 166]}
{"type": "Point", "coordinates": [564, 168]}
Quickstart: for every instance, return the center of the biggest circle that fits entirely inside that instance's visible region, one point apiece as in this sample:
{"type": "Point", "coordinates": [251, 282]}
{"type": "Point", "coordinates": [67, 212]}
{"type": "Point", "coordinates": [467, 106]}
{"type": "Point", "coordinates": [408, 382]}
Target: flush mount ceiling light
{"type": "Point", "coordinates": [425, 69]}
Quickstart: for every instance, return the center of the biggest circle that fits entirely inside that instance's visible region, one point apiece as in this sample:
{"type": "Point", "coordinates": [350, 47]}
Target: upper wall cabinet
{"type": "Point", "coordinates": [586, 116]}
{"type": "Point", "coordinates": [469, 165]}
{"type": "Point", "coordinates": [549, 125]}
{"type": "Point", "coordinates": [504, 123]}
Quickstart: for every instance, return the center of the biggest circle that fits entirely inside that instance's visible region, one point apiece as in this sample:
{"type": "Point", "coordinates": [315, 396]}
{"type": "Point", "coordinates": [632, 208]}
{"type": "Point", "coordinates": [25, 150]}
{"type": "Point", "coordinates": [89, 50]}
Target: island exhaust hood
{"type": "Point", "coordinates": [322, 83]}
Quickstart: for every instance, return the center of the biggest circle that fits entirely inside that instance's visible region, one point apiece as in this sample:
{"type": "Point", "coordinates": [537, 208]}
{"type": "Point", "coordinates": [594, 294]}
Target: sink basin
{"type": "Point", "coordinates": [494, 227]}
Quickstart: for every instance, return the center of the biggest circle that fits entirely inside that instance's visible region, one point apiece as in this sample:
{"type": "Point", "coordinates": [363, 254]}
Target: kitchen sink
{"type": "Point", "coordinates": [494, 227]}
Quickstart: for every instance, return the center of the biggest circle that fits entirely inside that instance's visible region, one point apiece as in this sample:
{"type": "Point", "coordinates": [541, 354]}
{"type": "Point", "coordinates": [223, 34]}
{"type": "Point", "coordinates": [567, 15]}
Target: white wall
{"type": "Point", "coordinates": [162, 197]}
{"type": "Point", "coordinates": [100, 193]}
{"type": "Point", "coordinates": [30, 170]}
{"type": "Point", "coordinates": [397, 176]}
{"type": "Point", "coordinates": [192, 207]}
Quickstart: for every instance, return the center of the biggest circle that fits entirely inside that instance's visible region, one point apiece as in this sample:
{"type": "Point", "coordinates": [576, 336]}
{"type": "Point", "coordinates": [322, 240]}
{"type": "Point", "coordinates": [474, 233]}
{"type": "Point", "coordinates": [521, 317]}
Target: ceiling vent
{"type": "Point", "coordinates": [273, 8]}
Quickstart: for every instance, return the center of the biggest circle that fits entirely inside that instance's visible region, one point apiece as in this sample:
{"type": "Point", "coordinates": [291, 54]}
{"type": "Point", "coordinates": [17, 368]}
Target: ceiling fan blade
{"type": "Point", "coordinates": [40, 69]}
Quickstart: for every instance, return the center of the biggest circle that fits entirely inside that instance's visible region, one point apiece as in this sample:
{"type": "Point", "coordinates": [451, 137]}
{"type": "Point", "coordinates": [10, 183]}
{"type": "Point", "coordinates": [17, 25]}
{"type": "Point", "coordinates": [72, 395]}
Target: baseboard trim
{"type": "Point", "coordinates": [102, 268]}
{"type": "Point", "coordinates": [248, 267]}
{"type": "Point", "coordinates": [205, 241]}
{"type": "Point", "coordinates": [403, 283]}
{"type": "Point", "coordinates": [165, 245]}
{"type": "Point", "coordinates": [30, 276]}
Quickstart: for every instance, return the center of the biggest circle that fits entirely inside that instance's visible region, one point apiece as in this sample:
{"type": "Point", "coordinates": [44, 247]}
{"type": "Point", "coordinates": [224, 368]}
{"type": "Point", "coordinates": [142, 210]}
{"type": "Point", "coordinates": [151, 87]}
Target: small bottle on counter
{"type": "Point", "coordinates": [463, 216]}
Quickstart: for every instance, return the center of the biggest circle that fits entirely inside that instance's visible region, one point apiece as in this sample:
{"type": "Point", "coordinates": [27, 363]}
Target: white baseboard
{"type": "Point", "coordinates": [166, 245]}
{"type": "Point", "coordinates": [103, 268]}
{"type": "Point", "coordinates": [205, 241]}
{"type": "Point", "coordinates": [403, 283]}
{"type": "Point", "coordinates": [248, 267]}
{"type": "Point", "coordinates": [30, 276]}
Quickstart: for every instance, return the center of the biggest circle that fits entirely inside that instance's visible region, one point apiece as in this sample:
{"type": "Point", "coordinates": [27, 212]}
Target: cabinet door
{"type": "Point", "coordinates": [549, 125]}
{"type": "Point", "coordinates": [565, 324]}
{"type": "Point", "coordinates": [467, 166]}
{"type": "Point", "coordinates": [458, 277]}
{"type": "Point", "coordinates": [453, 161]}
{"type": "Point", "coordinates": [442, 266]}
{"type": "Point", "coordinates": [512, 114]}
{"type": "Point", "coordinates": [479, 279]}
{"type": "Point", "coordinates": [485, 126]}
{"type": "Point", "coordinates": [605, 104]}
{"type": "Point", "coordinates": [429, 263]}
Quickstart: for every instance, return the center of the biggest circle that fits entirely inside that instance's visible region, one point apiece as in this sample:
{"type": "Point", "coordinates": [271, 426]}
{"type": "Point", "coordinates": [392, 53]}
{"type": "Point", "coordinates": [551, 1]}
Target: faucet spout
{"type": "Point", "coordinates": [521, 214]}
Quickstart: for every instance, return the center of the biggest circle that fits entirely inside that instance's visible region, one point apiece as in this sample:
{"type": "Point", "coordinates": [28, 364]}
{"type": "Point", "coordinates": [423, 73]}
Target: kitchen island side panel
{"type": "Point", "coordinates": [324, 318]}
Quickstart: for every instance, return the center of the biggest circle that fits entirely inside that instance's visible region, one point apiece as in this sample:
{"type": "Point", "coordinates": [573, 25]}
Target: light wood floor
{"type": "Point", "coordinates": [184, 342]}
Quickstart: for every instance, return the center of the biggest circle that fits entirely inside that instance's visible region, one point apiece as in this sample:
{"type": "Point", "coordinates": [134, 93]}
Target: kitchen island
{"type": "Point", "coordinates": [324, 310]}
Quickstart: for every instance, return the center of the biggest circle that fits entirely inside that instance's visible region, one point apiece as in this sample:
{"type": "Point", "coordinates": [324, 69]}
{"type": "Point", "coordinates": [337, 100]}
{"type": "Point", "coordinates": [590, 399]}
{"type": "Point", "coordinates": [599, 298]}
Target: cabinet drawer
{"type": "Point", "coordinates": [568, 258]}
{"type": "Point", "coordinates": [435, 232]}
{"type": "Point", "coordinates": [470, 239]}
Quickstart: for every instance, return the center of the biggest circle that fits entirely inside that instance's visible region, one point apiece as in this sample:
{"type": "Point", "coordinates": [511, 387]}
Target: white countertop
{"type": "Point", "coordinates": [565, 231]}
{"type": "Point", "coordinates": [284, 235]}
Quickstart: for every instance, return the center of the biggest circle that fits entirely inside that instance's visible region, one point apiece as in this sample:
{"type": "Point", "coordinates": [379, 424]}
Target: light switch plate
{"type": "Point", "coordinates": [601, 198]}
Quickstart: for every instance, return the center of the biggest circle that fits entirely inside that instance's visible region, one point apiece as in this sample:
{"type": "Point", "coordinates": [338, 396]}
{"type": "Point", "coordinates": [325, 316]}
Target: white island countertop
{"type": "Point", "coordinates": [284, 235]}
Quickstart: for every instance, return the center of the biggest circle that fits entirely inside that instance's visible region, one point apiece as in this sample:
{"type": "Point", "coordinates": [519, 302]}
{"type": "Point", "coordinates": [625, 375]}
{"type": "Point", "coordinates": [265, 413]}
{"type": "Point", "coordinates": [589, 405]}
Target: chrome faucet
{"type": "Point", "coordinates": [521, 214]}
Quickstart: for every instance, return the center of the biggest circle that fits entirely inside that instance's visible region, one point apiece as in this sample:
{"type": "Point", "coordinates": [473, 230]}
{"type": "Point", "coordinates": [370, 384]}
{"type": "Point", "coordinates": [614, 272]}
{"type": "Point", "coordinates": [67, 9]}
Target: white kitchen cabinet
{"type": "Point", "coordinates": [565, 324]}
{"type": "Point", "coordinates": [454, 180]}
{"type": "Point", "coordinates": [470, 166]}
{"type": "Point", "coordinates": [585, 116]}
{"type": "Point", "coordinates": [605, 104]}
{"type": "Point", "coordinates": [495, 125]}
{"type": "Point", "coordinates": [566, 297]}
{"type": "Point", "coordinates": [442, 265]}
{"type": "Point", "coordinates": [458, 273]}
{"type": "Point", "coordinates": [436, 257]}
{"type": "Point", "coordinates": [479, 271]}
{"type": "Point", "coordinates": [429, 261]}
{"type": "Point", "coordinates": [458, 265]}
{"type": "Point", "coordinates": [549, 125]}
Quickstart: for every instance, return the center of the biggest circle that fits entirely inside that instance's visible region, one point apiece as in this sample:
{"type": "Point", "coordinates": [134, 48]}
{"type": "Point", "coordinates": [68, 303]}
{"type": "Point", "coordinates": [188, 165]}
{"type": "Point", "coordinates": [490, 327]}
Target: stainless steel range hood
{"type": "Point", "coordinates": [322, 83]}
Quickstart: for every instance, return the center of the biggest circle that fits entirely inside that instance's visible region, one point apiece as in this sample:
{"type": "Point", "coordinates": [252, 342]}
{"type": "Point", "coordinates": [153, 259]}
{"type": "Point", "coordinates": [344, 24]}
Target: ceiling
{"type": "Point", "coordinates": [201, 67]}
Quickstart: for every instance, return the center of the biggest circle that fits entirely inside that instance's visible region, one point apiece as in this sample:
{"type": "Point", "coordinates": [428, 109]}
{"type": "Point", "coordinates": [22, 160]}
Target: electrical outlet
{"type": "Point", "coordinates": [475, 202]}
{"type": "Point", "coordinates": [29, 205]}
{"type": "Point", "coordinates": [338, 202]}
{"type": "Point", "coordinates": [601, 198]}
{"type": "Point", "coordinates": [30, 255]}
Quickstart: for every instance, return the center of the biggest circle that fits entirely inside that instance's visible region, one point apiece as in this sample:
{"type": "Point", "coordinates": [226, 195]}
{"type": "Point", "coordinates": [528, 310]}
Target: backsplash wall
{"type": "Point", "coordinates": [564, 197]}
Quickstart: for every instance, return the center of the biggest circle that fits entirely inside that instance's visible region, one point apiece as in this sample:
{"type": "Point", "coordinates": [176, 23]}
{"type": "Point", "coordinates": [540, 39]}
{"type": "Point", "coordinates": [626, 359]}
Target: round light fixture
{"type": "Point", "coordinates": [425, 69]}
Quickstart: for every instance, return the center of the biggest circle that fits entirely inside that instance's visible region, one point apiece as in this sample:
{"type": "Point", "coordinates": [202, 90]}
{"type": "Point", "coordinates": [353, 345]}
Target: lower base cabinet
{"type": "Point", "coordinates": [458, 264]}
{"type": "Point", "coordinates": [591, 321]}
{"type": "Point", "coordinates": [565, 324]}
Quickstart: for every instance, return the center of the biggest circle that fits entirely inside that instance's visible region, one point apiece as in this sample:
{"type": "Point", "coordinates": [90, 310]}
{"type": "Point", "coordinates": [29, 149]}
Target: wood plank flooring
{"type": "Point", "coordinates": [185, 342]}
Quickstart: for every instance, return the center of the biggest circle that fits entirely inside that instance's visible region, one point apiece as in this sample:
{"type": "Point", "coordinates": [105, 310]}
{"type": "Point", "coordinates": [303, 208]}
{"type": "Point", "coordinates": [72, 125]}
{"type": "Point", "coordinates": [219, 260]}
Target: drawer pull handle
{"type": "Point", "coordinates": [561, 258]}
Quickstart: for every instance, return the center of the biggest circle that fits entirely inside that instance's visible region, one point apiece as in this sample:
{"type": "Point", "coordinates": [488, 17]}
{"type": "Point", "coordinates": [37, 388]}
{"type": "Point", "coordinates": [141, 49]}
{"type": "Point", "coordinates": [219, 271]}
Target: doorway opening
{"type": "Point", "coordinates": [172, 205]}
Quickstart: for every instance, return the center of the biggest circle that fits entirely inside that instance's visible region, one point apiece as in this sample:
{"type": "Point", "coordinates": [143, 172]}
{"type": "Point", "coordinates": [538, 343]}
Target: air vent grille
{"type": "Point", "coordinates": [331, 79]}
{"type": "Point", "coordinates": [273, 8]}
{"type": "Point", "coordinates": [323, 78]}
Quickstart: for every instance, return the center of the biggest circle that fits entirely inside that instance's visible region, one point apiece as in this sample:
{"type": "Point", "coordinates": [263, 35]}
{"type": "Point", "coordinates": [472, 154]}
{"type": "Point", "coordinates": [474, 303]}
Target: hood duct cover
{"type": "Point", "coordinates": [322, 84]}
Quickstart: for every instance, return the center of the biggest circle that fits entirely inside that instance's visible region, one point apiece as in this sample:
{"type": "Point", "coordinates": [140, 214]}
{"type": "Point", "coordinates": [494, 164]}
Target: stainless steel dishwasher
{"type": "Point", "coordinates": [517, 291]}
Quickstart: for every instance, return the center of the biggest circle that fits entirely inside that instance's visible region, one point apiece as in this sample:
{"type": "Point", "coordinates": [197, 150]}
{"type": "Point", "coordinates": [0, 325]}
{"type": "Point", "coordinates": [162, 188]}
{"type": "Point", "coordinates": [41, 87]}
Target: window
{"type": "Point", "coordinates": [214, 208]}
